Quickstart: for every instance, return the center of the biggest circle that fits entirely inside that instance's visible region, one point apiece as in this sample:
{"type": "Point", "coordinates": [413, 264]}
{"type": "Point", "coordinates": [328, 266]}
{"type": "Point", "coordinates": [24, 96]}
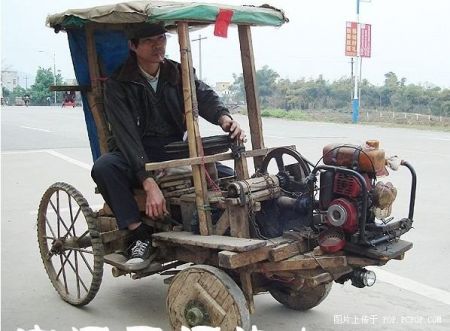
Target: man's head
{"type": "Point", "coordinates": [148, 41]}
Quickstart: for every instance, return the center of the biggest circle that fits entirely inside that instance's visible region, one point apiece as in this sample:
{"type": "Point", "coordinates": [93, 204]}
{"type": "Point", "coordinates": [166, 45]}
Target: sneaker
{"type": "Point", "coordinates": [140, 252]}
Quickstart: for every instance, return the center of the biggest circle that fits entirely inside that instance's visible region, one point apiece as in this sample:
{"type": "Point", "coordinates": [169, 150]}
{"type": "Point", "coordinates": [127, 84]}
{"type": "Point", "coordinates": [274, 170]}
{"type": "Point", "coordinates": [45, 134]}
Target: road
{"type": "Point", "coordinates": [43, 145]}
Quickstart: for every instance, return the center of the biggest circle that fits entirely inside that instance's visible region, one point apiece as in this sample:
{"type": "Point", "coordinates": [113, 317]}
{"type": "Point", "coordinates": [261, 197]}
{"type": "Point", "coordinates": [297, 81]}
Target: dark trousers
{"type": "Point", "coordinates": [115, 179]}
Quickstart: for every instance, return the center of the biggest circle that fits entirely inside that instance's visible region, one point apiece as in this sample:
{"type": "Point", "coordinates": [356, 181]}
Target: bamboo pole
{"type": "Point", "coordinates": [249, 74]}
{"type": "Point", "coordinates": [95, 97]}
{"type": "Point", "coordinates": [191, 113]}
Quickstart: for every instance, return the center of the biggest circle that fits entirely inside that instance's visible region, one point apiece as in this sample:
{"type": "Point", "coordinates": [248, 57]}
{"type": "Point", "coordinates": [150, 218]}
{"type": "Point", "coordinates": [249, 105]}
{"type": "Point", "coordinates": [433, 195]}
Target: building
{"type": "Point", "coordinates": [10, 79]}
{"type": "Point", "coordinates": [223, 89]}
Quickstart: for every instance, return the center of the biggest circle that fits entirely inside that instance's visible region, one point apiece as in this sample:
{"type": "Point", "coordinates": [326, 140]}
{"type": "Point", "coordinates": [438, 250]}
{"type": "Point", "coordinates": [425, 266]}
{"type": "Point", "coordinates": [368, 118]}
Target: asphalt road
{"type": "Point", "coordinates": [43, 145]}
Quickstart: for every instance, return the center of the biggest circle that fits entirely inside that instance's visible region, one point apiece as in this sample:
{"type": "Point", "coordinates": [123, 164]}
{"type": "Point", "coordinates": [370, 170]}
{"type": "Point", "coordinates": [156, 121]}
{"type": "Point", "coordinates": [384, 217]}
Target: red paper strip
{"type": "Point", "coordinates": [223, 21]}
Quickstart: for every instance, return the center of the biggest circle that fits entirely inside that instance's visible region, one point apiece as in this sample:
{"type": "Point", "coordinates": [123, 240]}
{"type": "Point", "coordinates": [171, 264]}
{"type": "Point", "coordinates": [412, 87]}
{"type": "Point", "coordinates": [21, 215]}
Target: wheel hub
{"type": "Point", "coordinates": [196, 314]}
{"type": "Point", "coordinates": [57, 247]}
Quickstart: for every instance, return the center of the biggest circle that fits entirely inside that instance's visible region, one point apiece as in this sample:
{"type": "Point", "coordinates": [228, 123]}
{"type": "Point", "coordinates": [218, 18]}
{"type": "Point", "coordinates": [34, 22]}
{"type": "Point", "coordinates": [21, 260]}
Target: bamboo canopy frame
{"type": "Point", "coordinates": [181, 16]}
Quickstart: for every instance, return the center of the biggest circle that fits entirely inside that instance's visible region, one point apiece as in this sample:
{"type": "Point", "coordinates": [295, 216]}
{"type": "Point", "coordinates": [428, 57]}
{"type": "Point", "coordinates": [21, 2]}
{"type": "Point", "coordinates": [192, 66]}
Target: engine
{"type": "Point", "coordinates": [349, 191]}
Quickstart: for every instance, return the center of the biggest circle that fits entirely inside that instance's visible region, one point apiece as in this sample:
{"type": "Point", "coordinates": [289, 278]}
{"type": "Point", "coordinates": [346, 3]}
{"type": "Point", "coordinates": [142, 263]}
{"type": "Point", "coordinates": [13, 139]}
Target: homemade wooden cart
{"type": "Point", "coordinates": [291, 234]}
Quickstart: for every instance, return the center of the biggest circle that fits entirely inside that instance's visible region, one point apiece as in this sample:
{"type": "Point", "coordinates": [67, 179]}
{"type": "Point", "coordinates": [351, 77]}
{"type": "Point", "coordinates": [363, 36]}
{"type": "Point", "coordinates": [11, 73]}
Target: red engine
{"type": "Point", "coordinates": [339, 196]}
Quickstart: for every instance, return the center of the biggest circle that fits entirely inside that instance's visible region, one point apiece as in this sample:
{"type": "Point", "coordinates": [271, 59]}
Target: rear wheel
{"type": "Point", "coordinates": [303, 299]}
{"type": "Point", "coordinates": [70, 246]}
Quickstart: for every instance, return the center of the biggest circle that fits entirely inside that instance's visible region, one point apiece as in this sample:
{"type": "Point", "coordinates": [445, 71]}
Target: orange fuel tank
{"type": "Point", "coordinates": [368, 158]}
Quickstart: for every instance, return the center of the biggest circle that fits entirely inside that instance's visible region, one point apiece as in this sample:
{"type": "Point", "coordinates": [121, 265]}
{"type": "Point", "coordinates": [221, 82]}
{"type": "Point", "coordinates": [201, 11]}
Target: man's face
{"type": "Point", "coordinates": [151, 49]}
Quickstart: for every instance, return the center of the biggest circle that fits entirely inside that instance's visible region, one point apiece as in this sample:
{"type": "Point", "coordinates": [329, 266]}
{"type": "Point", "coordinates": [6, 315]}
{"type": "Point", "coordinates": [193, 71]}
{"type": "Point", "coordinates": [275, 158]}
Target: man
{"type": "Point", "coordinates": [145, 110]}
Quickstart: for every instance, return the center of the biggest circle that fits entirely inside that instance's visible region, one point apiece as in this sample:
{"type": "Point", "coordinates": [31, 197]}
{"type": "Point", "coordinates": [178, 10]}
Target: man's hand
{"type": "Point", "coordinates": [155, 203]}
{"type": "Point", "coordinates": [231, 126]}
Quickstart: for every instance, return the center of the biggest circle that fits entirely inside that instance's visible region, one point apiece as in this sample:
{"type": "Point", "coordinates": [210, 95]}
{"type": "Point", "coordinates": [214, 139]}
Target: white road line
{"type": "Point", "coordinates": [70, 160]}
{"type": "Point", "coordinates": [65, 210]}
{"type": "Point", "coordinates": [412, 286]}
{"type": "Point", "coordinates": [36, 129]}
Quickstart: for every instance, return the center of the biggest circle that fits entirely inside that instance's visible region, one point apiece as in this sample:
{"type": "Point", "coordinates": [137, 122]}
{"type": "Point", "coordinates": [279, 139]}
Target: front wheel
{"type": "Point", "coordinates": [207, 296]}
{"type": "Point", "coordinates": [69, 242]}
{"type": "Point", "coordinates": [303, 299]}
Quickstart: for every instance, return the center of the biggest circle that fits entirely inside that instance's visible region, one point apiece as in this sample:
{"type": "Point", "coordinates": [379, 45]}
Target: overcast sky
{"type": "Point", "coordinates": [409, 37]}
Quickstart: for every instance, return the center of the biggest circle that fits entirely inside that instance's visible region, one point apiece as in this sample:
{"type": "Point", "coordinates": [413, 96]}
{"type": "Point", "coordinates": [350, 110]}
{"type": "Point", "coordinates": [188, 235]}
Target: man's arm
{"type": "Point", "coordinates": [213, 110]}
{"type": "Point", "coordinates": [126, 134]}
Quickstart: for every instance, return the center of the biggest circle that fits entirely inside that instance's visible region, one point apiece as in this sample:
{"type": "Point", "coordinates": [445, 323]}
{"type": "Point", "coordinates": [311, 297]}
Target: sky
{"type": "Point", "coordinates": [409, 37]}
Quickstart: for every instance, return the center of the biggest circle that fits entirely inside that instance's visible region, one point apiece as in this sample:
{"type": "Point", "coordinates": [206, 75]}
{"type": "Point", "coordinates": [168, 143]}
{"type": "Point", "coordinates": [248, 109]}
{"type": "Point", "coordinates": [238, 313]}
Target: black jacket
{"type": "Point", "coordinates": [127, 100]}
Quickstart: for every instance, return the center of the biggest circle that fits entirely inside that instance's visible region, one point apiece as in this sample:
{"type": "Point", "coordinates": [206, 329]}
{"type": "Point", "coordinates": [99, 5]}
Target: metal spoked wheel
{"type": "Point", "coordinates": [69, 242]}
{"type": "Point", "coordinates": [303, 299]}
{"type": "Point", "coordinates": [207, 296]}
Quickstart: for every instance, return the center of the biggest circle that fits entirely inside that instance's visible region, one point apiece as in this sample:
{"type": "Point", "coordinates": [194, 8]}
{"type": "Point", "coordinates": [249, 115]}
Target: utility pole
{"type": "Point", "coordinates": [54, 73]}
{"type": "Point", "coordinates": [355, 101]}
{"type": "Point", "coordinates": [199, 39]}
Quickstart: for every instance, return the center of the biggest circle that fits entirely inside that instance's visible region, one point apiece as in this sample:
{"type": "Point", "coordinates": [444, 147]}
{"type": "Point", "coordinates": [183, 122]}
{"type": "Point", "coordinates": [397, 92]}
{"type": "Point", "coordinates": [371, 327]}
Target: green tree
{"type": "Point", "coordinates": [266, 80]}
{"type": "Point", "coordinates": [17, 92]}
{"type": "Point", "coordinates": [40, 89]}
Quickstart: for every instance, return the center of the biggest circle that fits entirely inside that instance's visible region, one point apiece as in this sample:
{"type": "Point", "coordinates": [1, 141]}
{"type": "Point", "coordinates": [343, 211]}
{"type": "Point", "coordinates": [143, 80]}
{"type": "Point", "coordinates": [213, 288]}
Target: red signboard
{"type": "Point", "coordinates": [365, 45]}
{"type": "Point", "coordinates": [351, 38]}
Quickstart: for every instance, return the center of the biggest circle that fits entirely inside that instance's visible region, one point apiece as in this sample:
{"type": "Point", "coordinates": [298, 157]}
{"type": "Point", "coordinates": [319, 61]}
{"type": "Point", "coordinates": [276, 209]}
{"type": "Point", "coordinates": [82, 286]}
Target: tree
{"type": "Point", "coordinates": [266, 80]}
{"type": "Point", "coordinates": [40, 89]}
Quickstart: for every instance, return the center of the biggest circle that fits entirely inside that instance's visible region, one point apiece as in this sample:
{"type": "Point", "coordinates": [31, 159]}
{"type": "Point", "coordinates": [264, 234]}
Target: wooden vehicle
{"type": "Point", "coordinates": [292, 233]}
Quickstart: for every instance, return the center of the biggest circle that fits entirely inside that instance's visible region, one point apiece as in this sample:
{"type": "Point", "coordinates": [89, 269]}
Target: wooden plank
{"type": "Point", "coordinates": [223, 223]}
{"type": "Point", "coordinates": [247, 288]}
{"type": "Point", "coordinates": [95, 98]}
{"type": "Point", "coordinates": [302, 262]}
{"type": "Point", "coordinates": [249, 74]}
{"type": "Point", "coordinates": [190, 106]}
{"type": "Point", "coordinates": [232, 260]}
{"type": "Point", "coordinates": [206, 159]}
{"type": "Point", "coordinates": [238, 219]}
{"type": "Point", "coordinates": [211, 241]}
{"type": "Point", "coordinates": [82, 88]}
{"type": "Point", "coordinates": [286, 251]}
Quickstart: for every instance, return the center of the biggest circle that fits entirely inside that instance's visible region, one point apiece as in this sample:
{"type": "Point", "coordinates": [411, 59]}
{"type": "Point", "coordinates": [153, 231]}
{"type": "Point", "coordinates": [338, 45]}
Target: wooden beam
{"type": "Point", "coordinates": [249, 74]}
{"type": "Point", "coordinates": [190, 107]}
{"type": "Point", "coordinates": [302, 262]}
{"type": "Point", "coordinates": [95, 97]}
{"type": "Point", "coordinates": [212, 241]}
{"type": "Point", "coordinates": [206, 159]}
{"type": "Point", "coordinates": [82, 88]}
{"type": "Point", "coordinates": [232, 260]}
{"type": "Point", "coordinates": [239, 223]}
{"type": "Point", "coordinates": [247, 288]}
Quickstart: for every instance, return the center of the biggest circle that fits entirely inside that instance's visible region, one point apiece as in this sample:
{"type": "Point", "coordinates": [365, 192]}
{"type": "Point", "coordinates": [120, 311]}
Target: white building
{"type": "Point", "coordinates": [10, 79]}
{"type": "Point", "coordinates": [222, 89]}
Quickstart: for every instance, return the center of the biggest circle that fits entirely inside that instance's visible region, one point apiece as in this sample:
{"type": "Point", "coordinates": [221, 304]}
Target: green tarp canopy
{"type": "Point", "coordinates": [165, 11]}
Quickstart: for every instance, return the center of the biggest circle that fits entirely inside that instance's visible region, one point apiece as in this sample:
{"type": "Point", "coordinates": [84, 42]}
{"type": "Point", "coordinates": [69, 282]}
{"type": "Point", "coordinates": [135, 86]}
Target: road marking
{"type": "Point", "coordinates": [36, 129]}
{"type": "Point", "coordinates": [65, 210]}
{"type": "Point", "coordinates": [412, 286]}
{"type": "Point", "coordinates": [70, 160]}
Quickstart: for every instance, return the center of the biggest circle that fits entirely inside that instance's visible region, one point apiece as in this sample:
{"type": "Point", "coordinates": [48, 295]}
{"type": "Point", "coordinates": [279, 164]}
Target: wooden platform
{"type": "Point", "coordinates": [213, 241]}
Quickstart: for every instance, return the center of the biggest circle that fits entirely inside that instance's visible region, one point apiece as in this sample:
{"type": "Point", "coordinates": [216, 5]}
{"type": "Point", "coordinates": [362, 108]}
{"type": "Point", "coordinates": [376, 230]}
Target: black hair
{"type": "Point", "coordinates": [135, 41]}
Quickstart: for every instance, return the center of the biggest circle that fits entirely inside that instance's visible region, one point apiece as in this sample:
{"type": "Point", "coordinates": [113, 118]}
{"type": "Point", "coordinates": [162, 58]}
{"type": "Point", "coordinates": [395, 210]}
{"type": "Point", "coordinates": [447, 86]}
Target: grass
{"type": "Point", "coordinates": [345, 117]}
